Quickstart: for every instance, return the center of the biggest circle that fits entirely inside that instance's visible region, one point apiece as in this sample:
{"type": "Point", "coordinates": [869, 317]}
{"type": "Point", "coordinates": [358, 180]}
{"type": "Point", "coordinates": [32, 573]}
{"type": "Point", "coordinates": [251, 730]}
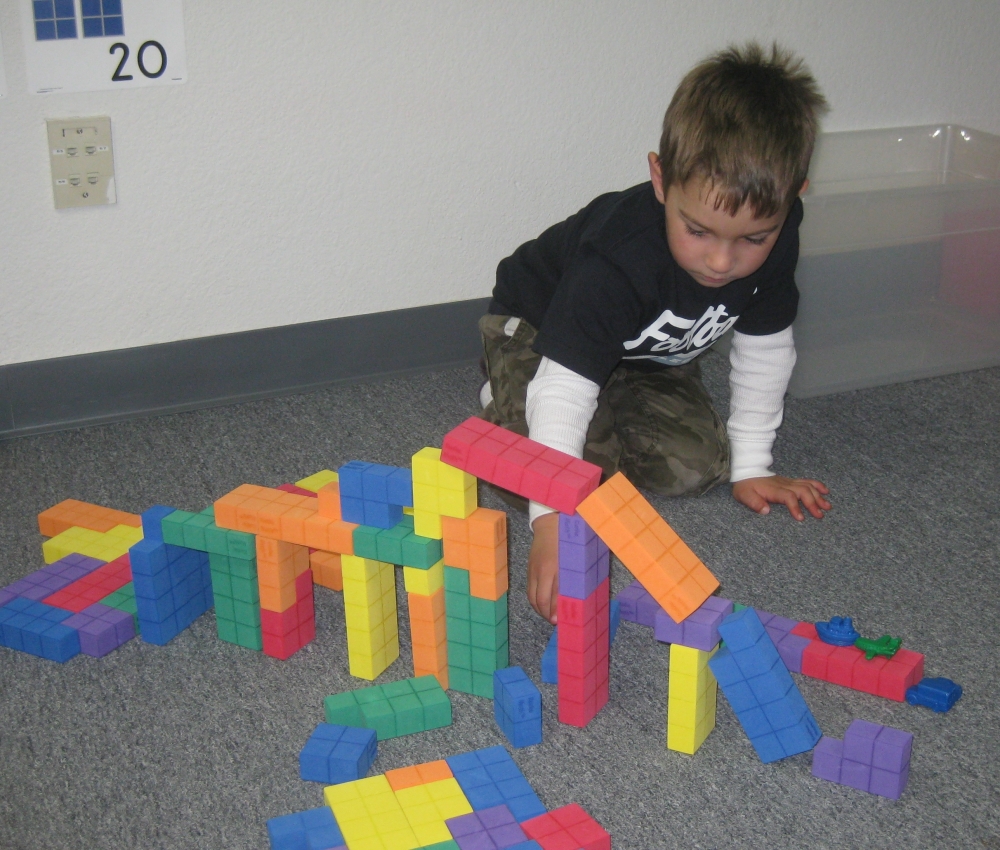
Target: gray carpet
{"type": "Point", "coordinates": [194, 745]}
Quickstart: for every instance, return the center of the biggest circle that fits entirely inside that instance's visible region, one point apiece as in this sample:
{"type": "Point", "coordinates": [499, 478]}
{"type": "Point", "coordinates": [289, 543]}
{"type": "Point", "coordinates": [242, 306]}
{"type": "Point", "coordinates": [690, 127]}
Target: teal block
{"type": "Point", "coordinates": [244, 568]}
{"type": "Point", "coordinates": [459, 655]}
{"type": "Point", "coordinates": [488, 660]}
{"type": "Point", "coordinates": [379, 715]}
{"type": "Point", "coordinates": [436, 707]}
{"type": "Point", "coordinates": [343, 709]}
{"type": "Point", "coordinates": [365, 539]}
{"type": "Point", "coordinates": [172, 526]}
{"type": "Point", "coordinates": [390, 544]}
{"type": "Point", "coordinates": [369, 695]}
{"type": "Point", "coordinates": [225, 627]}
{"type": "Point", "coordinates": [457, 605]}
{"type": "Point", "coordinates": [489, 637]}
{"type": "Point", "coordinates": [242, 545]}
{"type": "Point", "coordinates": [218, 562]}
{"type": "Point", "coordinates": [482, 684]}
{"type": "Point", "coordinates": [421, 552]}
{"type": "Point", "coordinates": [443, 845]}
{"type": "Point", "coordinates": [425, 683]}
{"type": "Point", "coordinates": [409, 714]}
{"type": "Point", "coordinates": [221, 584]}
{"type": "Point", "coordinates": [460, 679]}
{"type": "Point", "coordinates": [456, 580]}
{"type": "Point", "coordinates": [459, 631]}
{"type": "Point", "coordinates": [194, 532]}
{"type": "Point", "coordinates": [249, 637]}
{"type": "Point", "coordinates": [403, 687]}
{"type": "Point", "coordinates": [216, 540]}
{"type": "Point", "coordinates": [223, 606]}
{"type": "Point", "coordinates": [487, 611]}
{"type": "Point", "coordinates": [245, 590]}
{"type": "Point", "coordinates": [246, 613]}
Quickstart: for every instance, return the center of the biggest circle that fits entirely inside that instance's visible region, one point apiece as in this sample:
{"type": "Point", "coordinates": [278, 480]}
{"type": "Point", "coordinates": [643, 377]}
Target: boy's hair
{"type": "Point", "coordinates": [746, 123]}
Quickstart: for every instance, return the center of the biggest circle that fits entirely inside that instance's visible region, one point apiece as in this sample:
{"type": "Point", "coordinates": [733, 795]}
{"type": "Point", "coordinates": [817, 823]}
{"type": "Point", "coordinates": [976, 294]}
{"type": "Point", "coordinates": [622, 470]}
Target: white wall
{"type": "Point", "coordinates": [335, 157]}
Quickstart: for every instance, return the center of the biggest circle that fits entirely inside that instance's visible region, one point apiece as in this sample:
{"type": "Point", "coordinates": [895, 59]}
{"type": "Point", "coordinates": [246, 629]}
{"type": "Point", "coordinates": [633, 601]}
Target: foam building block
{"type": "Point", "coordinates": [650, 549]}
{"type": "Point", "coordinates": [428, 622]}
{"type": "Point", "coordinates": [583, 653]}
{"type": "Point", "coordinates": [478, 544]}
{"type": "Point", "coordinates": [477, 632]}
{"type": "Point", "coordinates": [367, 809]}
{"type": "Point", "coordinates": [72, 513]}
{"type": "Point", "coordinates": [871, 757]}
{"type": "Point", "coordinates": [287, 608]}
{"type": "Point", "coordinates": [550, 659]}
{"type": "Point", "coordinates": [429, 796]}
{"type": "Point", "coordinates": [567, 828]}
{"type": "Point", "coordinates": [393, 709]}
{"type": "Point", "coordinates": [374, 494]}
{"type": "Point", "coordinates": [584, 559]}
{"type": "Point", "coordinates": [790, 646]}
{"type": "Point", "coordinates": [93, 586]}
{"type": "Point", "coordinates": [315, 829]}
{"type": "Point", "coordinates": [370, 612]}
{"type": "Point", "coordinates": [487, 829]}
{"type": "Point", "coordinates": [53, 577]}
{"type": "Point", "coordinates": [517, 707]}
{"type": "Point", "coordinates": [336, 753]}
{"type": "Point", "coordinates": [439, 490]}
{"type": "Point", "coordinates": [38, 629]}
{"type": "Point", "coordinates": [637, 606]}
{"type": "Point", "coordinates": [691, 698]}
{"type": "Point", "coordinates": [313, 483]}
{"type": "Point", "coordinates": [698, 631]}
{"type": "Point", "coordinates": [760, 689]}
{"type": "Point", "coordinates": [101, 629]}
{"type": "Point", "coordinates": [489, 777]}
{"type": "Point", "coordinates": [615, 616]}
{"type": "Point", "coordinates": [847, 666]}
{"type": "Point", "coordinates": [520, 465]}
{"type": "Point", "coordinates": [326, 569]}
{"type": "Point", "coordinates": [105, 546]}
{"type": "Point", "coordinates": [397, 545]}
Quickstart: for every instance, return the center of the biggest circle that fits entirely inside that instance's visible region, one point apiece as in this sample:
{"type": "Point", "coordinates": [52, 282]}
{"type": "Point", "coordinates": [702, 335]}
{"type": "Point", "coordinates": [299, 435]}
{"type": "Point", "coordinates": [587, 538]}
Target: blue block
{"type": "Point", "coordinates": [60, 643]}
{"type": "Point", "coordinates": [315, 829]}
{"type": "Point", "coordinates": [760, 690]}
{"type": "Point", "coordinates": [381, 514]}
{"type": "Point", "coordinates": [615, 613]}
{"type": "Point", "coordinates": [352, 509]}
{"type": "Point", "coordinates": [550, 660]}
{"type": "Point", "coordinates": [336, 753]}
{"type": "Point", "coordinates": [351, 480]}
{"type": "Point", "coordinates": [375, 483]}
{"type": "Point", "coordinates": [148, 557]}
{"type": "Point", "coordinates": [400, 488]}
{"type": "Point", "coordinates": [151, 519]}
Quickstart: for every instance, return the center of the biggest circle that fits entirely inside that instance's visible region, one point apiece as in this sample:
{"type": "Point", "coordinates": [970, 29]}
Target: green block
{"type": "Point", "coordinates": [218, 562]}
{"type": "Point", "coordinates": [172, 526]}
{"type": "Point", "coordinates": [216, 540]}
{"type": "Point", "coordinates": [457, 605]}
{"type": "Point", "coordinates": [456, 580]}
{"type": "Point", "coordinates": [194, 532]}
{"type": "Point", "coordinates": [425, 683]}
{"type": "Point", "coordinates": [244, 568]}
{"type": "Point", "coordinates": [738, 607]}
{"type": "Point", "coordinates": [488, 660]}
{"type": "Point", "coordinates": [222, 584]}
{"type": "Point", "coordinates": [343, 709]}
{"type": "Point", "coordinates": [369, 695]}
{"type": "Point", "coordinates": [403, 687]}
{"type": "Point", "coordinates": [421, 552]}
{"type": "Point", "coordinates": [225, 627]}
{"type": "Point", "coordinates": [409, 714]}
{"type": "Point", "coordinates": [245, 590]}
{"type": "Point", "coordinates": [365, 539]}
{"type": "Point", "coordinates": [390, 544]}
{"type": "Point", "coordinates": [482, 684]}
{"type": "Point", "coordinates": [436, 706]}
{"type": "Point", "coordinates": [488, 637]}
{"type": "Point", "coordinates": [406, 522]}
{"type": "Point", "coordinates": [460, 679]}
{"type": "Point", "coordinates": [459, 631]}
{"type": "Point", "coordinates": [459, 655]}
{"type": "Point", "coordinates": [246, 613]}
{"type": "Point", "coordinates": [223, 606]}
{"type": "Point", "coordinates": [249, 637]}
{"type": "Point", "coordinates": [379, 715]}
{"type": "Point", "coordinates": [124, 600]}
{"type": "Point", "coordinates": [503, 657]}
{"type": "Point", "coordinates": [242, 545]}
{"type": "Point", "coordinates": [442, 845]}
{"type": "Point", "coordinates": [486, 611]}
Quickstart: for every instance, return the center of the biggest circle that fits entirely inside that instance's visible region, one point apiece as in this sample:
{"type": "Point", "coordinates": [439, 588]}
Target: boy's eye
{"type": "Point", "coordinates": [694, 232]}
{"type": "Point", "coordinates": [758, 241]}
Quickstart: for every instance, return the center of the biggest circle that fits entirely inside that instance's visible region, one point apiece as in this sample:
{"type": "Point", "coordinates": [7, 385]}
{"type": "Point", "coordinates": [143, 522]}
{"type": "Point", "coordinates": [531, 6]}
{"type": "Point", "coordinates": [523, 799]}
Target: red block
{"type": "Point", "coordinates": [567, 828]}
{"type": "Point", "coordinates": [520, 465]}
{"type": "Point", "coordinates": [293, 488]}
{"type": "Point", "coordinates": [847, 666]}
{"type": "Point", "coordinates": [583, 656]}
{"type": "Point", "coordinates": [92, 587]}
{"type": "Point", "coordinates": [806, 630]}
{"type": "Point", "coordinates": [286, 632]}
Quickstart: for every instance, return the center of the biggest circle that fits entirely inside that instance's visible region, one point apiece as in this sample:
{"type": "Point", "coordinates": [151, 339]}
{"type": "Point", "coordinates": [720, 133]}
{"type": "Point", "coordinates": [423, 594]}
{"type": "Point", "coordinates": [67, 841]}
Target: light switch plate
{"type": "Point", "coordinates": [83, 166]}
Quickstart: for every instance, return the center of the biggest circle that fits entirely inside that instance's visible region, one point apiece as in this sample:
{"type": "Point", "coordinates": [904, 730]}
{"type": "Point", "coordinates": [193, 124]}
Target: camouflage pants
{"type": "Point", "coordinates": [659, 428]}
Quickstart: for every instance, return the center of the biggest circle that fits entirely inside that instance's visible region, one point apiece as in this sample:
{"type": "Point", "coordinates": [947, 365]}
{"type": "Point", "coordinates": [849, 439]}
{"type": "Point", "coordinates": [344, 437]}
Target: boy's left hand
{"type": "Point", "coordinates": [758, 494]}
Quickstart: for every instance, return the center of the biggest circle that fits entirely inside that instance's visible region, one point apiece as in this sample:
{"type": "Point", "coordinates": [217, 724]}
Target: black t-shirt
{"type": "Point", "coordinates": [603, 288]}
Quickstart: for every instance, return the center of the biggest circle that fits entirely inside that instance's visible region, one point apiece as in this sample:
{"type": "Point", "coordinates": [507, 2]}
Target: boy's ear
{"type": "Point", "coordinates": [656, 175]}
{"type": "Point", "coordinates": [805, 187]}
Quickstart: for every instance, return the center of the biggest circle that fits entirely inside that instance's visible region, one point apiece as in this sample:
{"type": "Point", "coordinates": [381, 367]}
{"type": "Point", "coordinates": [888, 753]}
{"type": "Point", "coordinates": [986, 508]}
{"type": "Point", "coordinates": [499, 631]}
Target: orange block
{"type": "Point", "coordinates": [418, 774]}
{"type": "Point", "coordinates": [293, 525]}
{"type": "Point", "coordinates": [72, 512]}
{"type": "Point", "coordinates": [329, 500]}
{"type": "Point", "coordinates": [326, 569]}
{"type": "Point", "coordinates": [429, 635]}
{"type": "Point", "coordinates": [669, 571]}
{"type": "Point", "coordinates": [487, 527]}
{"type": "Point", "coordinates": [487, 586]}
{"type": "Point", "coordinates": [478, 542]}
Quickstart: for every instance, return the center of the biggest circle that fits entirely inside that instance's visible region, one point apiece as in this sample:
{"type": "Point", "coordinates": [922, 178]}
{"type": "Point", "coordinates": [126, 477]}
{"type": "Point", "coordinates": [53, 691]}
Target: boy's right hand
{"type": "Point", "coordinates": [543, 566]}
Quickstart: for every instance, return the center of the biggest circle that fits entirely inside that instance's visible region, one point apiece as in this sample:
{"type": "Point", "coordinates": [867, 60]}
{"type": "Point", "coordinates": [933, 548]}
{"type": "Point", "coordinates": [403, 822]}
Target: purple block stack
{"type": "Point", "coordinates": [637, 606]}
{"type": "Point", "coordinates": [487, 829]}
{"type": "Point", "coordinates": [57, 575]}
{"type": "Point", "coordinates": [871, 758]}
{"type": "Point", "coordinates": [584, 559]}
{"type": "Point", "coordinates": [102, 629]}
{"type": "Point", "coordinates": [700, 630]}
{"type": "Point", "coordinates": [790, 647]}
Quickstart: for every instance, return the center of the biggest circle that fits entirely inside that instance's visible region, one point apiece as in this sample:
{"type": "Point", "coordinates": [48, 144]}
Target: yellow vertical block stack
{"type": "Point", "coordinates": [370, 612]}
{"type": "Point", "coordinates": [439, 489]}
{"type": "Point", "coordinates": [691, 698]}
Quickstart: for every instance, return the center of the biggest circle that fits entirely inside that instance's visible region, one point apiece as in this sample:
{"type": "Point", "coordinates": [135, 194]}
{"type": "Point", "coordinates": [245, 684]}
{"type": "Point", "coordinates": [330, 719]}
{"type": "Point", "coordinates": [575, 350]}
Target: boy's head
{"type": "Point", "coordinates": [735, 150]}
{"type": "Point", "coordinates": [743, 123]}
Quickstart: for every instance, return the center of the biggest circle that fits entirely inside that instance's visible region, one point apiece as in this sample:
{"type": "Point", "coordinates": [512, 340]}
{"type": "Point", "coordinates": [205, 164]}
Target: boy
{"type": "Point", "coordinates": [594, 326]}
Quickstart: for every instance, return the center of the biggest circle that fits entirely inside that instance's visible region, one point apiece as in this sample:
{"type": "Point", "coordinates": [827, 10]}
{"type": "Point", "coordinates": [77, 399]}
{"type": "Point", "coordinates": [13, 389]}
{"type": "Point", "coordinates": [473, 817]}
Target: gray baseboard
{"type": "Point", "coordinates": [107, 386]}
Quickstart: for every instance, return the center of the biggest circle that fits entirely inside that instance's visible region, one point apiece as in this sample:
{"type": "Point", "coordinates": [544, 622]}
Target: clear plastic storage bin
{"type": "Point", "coordinates": [900, 258]}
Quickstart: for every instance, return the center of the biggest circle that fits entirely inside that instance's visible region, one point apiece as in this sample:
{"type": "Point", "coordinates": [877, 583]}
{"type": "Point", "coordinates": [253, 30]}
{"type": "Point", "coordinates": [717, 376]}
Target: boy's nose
{"type": "Point", "coordinates": [719, 260]}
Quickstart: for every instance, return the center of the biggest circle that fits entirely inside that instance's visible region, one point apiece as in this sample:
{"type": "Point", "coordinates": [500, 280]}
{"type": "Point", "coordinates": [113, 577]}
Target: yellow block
{"type": "Point", "coordinates": [427, 524]}
{"type": "Point", "coordinates": [424, 582]}
{"type": "Point", "coordinates": [367, 812]}
{"type": "Point", "coordinates": [458, 503]}
{"type": "Point", "coordinates": [691, 698]}
{"type": "Point", "coordinates": [106, 546]}
{"type": "Point", "coordinates": [370, 613]}
{"type": "Point", "coordinates": [317, 480]}
{"type": "Point", "coordinates": [428, 806]}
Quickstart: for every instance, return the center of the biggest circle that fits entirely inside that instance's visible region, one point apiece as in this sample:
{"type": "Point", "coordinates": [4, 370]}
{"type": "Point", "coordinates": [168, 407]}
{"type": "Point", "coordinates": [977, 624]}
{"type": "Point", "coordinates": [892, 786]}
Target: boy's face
{"type": "Point", "coordinates": [711, 245]}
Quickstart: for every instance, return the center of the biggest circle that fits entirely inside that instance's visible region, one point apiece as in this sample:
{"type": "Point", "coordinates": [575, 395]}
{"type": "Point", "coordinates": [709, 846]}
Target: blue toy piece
{"type": "Point", "coordinates": [517, 707]}
{"type": "Point", "coordinates": [939, 694]}
{"type": "Point", "coordinates": [839, 631]}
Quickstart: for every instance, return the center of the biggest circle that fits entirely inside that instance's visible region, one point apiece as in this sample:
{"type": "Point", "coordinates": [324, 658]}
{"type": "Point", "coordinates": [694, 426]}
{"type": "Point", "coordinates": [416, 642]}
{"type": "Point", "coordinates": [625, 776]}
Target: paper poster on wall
{"type": "Point", "coordinates": [92, 45]}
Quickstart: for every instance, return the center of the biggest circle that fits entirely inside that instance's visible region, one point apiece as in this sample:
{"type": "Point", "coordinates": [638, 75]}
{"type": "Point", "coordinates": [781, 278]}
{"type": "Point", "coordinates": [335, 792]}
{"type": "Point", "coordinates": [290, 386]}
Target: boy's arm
{"type": "Point", "coordinates": [560, 404]}
{"type": "Point", "coordinates": [761, 367]}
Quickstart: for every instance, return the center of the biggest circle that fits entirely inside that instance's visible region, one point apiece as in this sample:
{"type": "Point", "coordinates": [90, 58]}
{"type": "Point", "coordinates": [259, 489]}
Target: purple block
{"type": "Point", "coordinates": [790, 648]}
{"type": "Point", "coordinates": [584, 560]}
{"type": "Point", "coordinates": [783, 624]}
{"type": "Point", "coordinates": [859, 741]}
{"type": "Point", "coordinates": [574, 529]}
{"type": "Point", "coordinates": [101, 629]}
{"type": "Point", "coordinates": [892, 750]}
{"type": "Point", "coordinates": [887, 783]}
{"type": "Point", "coordinates": [855, 774]}
{"type": "Point", "coordinates": [637, 606]}
{"type": "Point", "coordinates": [827, 757]}
{"type": "Point", "coordinates": [698, 631]}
